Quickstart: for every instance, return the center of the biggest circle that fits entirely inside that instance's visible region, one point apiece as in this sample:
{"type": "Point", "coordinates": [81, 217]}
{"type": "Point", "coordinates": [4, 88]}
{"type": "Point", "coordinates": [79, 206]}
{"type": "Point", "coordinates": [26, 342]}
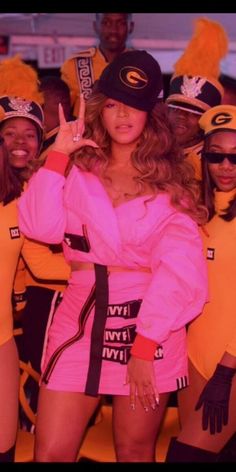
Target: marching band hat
{"type": "Point", "coordinates": [195, 94]}
{"type": "Point", "coordinates": [19, 107]}
{"type": "Point", "coordinates": [133, 78]}
{"type": "Point", "coordinates": [220, 118]}
{"type": "Point", "coordinates": [194, 86]}
{"type": "Point", "coordinates": [19, 92]}
{"type": "Point", "coordinates": [2, 113]}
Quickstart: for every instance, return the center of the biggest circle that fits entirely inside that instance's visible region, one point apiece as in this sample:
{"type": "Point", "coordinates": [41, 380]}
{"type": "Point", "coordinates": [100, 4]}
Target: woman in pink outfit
{"type": "Point", "coordinates": [126, 208]}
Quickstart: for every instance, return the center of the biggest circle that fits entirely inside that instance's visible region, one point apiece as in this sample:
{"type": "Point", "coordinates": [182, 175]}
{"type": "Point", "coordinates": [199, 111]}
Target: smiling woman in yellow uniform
{"type": "Point", "coordinates": [42, 271]}
{"type": "Point", "coordinates": [208, 405]}
{"type": "Point", "coordinates": [10, 246]}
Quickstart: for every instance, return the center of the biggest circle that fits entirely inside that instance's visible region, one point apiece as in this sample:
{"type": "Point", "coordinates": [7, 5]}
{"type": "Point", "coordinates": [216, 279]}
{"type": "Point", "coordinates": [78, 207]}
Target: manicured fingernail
{"type": "Point", "coordinates": [132, 406]}
{"type": "Point", "coordinates": [157, 401]}
{"type": "Point", "coordinates": [146, 408]}
{"type": "Point", "coordinates": [153, 406]}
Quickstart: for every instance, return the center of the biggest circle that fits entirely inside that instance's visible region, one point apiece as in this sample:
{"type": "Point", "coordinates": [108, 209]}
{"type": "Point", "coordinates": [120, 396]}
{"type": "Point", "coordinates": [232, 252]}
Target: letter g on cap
{"type": "Point", "coordinates": [221, 119]}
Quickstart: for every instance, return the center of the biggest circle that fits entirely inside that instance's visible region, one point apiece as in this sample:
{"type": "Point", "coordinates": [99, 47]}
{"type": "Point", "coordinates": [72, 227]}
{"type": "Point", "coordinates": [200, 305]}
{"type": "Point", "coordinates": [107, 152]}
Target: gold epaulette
{"type": "Point", "coordinates": [196, 148]}
{"type": "Point", "coordinates": [87, 53]}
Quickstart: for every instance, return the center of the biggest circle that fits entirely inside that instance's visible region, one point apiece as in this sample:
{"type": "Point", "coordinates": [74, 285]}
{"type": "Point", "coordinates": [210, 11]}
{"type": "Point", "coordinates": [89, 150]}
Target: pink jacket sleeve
{"type": "Point", "coordinates": [179, 288]}
{"type": "Point", "coordinates": [41, 213]}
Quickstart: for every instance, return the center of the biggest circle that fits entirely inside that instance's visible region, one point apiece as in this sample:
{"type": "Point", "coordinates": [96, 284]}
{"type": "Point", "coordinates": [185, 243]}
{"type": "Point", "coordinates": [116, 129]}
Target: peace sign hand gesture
{"type": "Point", "coordinates": [70, 135]}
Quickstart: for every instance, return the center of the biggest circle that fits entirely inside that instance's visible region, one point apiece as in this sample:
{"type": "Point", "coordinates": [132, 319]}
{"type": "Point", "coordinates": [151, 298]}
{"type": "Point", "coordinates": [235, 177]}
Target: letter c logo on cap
{"type": "Point", "coordinates": [221, 119]}
{"type": "Point", "coordinates": [133, 77]}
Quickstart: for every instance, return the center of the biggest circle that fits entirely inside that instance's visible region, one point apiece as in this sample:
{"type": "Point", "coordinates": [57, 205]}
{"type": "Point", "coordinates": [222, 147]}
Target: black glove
{"type": "Point", "coordinates": [215, 399]}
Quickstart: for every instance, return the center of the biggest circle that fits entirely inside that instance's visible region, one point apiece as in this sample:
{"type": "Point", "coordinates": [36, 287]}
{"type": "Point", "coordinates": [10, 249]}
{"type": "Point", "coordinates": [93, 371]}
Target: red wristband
{"type": "Point", "coordinates": [143, 348]}
{"type": "Point", "coordinates": [56, 161]}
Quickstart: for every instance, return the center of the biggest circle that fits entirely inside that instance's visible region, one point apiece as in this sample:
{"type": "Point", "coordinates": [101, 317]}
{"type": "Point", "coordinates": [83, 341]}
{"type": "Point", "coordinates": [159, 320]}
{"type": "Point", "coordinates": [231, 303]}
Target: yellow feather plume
{"type": "Point", "coordinates": [19, 79]}
{"type": "Point", "coordinates": [203, 53]}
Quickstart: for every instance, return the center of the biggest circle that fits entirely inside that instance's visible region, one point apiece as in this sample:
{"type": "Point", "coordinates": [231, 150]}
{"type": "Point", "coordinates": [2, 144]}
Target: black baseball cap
{"type": "Point", "coordinates": [134, 78]}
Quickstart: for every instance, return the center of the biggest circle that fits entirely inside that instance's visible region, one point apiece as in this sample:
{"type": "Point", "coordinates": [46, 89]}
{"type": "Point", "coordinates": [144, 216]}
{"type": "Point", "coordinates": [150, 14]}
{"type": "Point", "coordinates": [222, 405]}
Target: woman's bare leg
{"type": "Point", "coordinates": [61, 424]}
{"type": "Point", "coordinates": [9, 394]}
{"type": "Point", "coordinates": [135, 431]}
{"type": "Point", "coordinates": [188, 397]}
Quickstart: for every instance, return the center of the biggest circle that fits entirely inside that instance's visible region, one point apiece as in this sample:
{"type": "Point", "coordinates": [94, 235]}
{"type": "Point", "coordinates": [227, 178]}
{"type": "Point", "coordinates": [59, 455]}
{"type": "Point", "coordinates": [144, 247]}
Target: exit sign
{"type": "Point", "coordinates": [51, 56]}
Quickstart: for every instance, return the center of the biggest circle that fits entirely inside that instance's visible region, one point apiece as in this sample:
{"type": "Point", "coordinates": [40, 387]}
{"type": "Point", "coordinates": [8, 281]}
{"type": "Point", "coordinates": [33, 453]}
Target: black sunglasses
{"type": "Point", "coordinates": [218, 157]}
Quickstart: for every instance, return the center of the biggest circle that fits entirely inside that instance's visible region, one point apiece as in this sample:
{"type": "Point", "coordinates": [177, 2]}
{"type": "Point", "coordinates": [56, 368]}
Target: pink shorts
{"type": "Point", "coordinates": [70, 368]}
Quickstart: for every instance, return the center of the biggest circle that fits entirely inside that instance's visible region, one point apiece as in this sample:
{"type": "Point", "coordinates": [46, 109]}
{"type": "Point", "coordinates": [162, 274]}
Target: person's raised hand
{"type": "Point", "coordinates": [70, 135]}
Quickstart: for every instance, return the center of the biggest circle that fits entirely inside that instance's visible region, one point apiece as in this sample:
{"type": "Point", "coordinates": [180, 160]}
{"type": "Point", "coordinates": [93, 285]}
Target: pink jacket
{"type": "Point", "coordinates": [136, 233]}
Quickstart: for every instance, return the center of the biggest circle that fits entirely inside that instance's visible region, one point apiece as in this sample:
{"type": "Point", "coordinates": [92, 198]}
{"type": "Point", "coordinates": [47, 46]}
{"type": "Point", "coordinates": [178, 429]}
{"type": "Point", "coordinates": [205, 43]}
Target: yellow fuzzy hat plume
{"type": "Point", "coordinates": [19, 79]}
{"type": "Point", "coordinates": [195, 87]}
{"type": "Point", "coordinates": [209, 44]}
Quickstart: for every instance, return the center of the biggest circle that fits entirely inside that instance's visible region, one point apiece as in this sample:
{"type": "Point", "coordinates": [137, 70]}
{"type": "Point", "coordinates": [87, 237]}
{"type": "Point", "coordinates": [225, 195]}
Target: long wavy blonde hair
{"type": "Point", "coordinates": [157, 158]}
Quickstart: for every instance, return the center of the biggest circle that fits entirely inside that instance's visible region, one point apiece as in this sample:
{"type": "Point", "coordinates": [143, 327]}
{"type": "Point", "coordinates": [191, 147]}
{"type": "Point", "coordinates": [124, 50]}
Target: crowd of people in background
{"type": "Point", "coordinates": [117, 241]}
